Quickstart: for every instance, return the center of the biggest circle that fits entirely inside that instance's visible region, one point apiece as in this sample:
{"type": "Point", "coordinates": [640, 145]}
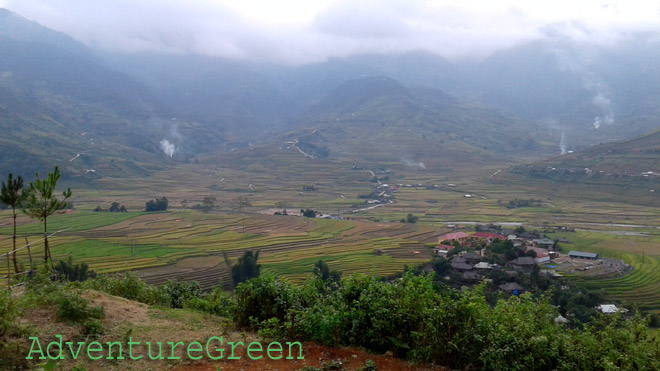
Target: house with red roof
{"type": "Point", "coordinates": [542, 255]}
{"type": "Point", "coordinates": [490, 237]}
{"type": "Point", "coordinates": [461, 237]}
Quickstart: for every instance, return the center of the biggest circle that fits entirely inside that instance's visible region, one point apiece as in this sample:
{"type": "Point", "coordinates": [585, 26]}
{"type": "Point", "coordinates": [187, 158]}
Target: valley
{"type": "Point", "coordinates": [497, 210]}
{"type": "Point", "coordinates": [189, 244]}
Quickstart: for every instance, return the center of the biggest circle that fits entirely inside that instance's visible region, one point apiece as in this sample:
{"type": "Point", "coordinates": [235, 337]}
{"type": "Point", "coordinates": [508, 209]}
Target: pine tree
{"type": "Point", "coordinates": [42, 203]}
{"type": "Point", "coordinates": [13, 195]}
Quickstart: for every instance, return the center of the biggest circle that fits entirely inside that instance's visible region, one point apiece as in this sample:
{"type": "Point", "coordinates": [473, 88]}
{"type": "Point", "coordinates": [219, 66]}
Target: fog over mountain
{"type": "Point", "coordinates": [296, 32]}
{"type": "Point", "coordinates": [177, 79]}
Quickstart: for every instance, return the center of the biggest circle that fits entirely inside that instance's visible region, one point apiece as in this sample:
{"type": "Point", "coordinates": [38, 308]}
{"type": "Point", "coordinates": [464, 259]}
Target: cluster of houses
{"type": "Point", "coordinates": [472, 268]}
{"type": "Point", "coordinates": [542, 246]}
{"type": "Point", "coordinates": [470, 265]}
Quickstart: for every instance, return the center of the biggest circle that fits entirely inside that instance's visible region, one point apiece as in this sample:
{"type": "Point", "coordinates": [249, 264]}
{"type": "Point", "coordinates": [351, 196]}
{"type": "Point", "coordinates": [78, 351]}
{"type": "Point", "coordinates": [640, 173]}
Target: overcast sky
{"type": "Point", "coordinates": [299, 31]}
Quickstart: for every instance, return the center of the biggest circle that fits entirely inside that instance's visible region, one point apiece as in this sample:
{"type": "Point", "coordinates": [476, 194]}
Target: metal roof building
{"type": "Point", "coordinates": [583, 255]}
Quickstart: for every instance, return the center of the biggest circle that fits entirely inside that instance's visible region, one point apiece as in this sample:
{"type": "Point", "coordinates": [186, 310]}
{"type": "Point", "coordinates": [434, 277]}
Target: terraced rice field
{"type": "Point", "coordinates": [157, 244]}
{"type": "Point", "coordinates": [641, 286]}
{"type": "Point", "coordinates": [154, 243]}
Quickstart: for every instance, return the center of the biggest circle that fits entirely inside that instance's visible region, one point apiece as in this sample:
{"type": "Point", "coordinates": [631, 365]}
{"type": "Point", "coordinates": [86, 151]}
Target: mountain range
{"type": "Point", "coordinates": [101, 114]}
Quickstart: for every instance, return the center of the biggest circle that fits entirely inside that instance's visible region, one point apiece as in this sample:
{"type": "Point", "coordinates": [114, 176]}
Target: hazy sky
{"type": "Point", "coordinates": [298, 31]}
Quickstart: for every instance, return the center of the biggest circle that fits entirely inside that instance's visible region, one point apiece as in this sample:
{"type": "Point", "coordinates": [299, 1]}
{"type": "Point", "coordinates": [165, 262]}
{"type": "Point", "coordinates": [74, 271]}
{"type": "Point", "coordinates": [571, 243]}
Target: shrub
{"type": "Point", "coordinates": [116, 207]}
{"type": "Point", "coordinates": [9, 310]}
{"type": "Point", "coordinates": [245, 268]}
{"type": "Point", "coordinates": [12, 349]}
{"type": "Point", "coordinates": [93, 327]}
{"type": "Point", "coordinates": [178, 292]}
{"type": "Point", "coordinates": [73, 272]}
{"type": "Point", "coordinates": [71, 306]}
{"type": "Point", "coordinates": [129, 286]}
{"type": "Point", "coordinates": [217, 302]}
{"type": "Point", "coordinates": [263, 298]}
{"type": "Point", "coordinates": [309, 213]}
{"type": "Point", "coordinates": [457, 329]}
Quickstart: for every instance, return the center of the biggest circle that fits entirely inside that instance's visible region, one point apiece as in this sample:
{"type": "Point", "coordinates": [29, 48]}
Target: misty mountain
{"type": "Point", "coordinates": [309, 83]}
{"type": "Point", "coordinates": [18, 28]}
{"type": "Point", "coordinates": [396, 104]}
{"type": "Point", "coordinates": [593, 93]}
{"type": "Point", "coordinates": [57, 102]}
{"type": "Point", "coordinates": [378, 119]}
{"type": "Point", "coordinates": [244, 104]}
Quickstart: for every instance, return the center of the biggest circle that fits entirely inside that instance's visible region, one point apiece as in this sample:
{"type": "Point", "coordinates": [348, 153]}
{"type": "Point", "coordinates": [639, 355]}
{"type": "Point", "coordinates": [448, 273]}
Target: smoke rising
{"type": "Point", "coordinates": [413, 164]}
{"type": "Point", "coordinates": [167, 147]}
{"type": "Point", "coordinates": [583, 63]}
{"type": "Point", "coordinates": [562, 144]}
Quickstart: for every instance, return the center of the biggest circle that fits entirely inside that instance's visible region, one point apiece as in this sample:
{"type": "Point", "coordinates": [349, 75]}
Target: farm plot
{"type": "Point", "coordinates": [76, 221]}
{"type": "Point", "coordinates": [143, 241]}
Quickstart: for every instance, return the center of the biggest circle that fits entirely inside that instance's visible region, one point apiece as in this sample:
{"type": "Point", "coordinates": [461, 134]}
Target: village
{"type": "Point", "coordinates": [516, 260]}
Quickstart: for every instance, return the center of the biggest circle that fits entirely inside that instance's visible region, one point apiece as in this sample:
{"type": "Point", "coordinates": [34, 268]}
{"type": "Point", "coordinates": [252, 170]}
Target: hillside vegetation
{"type": "Point", "coordinates": [633, 161]}
{"type": "Point", "coordinates": [408, 317]}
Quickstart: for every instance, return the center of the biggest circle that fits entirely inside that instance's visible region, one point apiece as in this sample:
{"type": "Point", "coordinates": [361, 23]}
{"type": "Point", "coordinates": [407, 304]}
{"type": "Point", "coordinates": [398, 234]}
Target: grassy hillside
{"type": "Point", "coordinates": [59, 105]}
{"type": "Point", "coordinates": [632, 162]}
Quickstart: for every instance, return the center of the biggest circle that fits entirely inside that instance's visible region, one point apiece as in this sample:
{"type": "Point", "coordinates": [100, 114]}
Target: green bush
{"type": "Point", "coordinates": [159, 204]}
{"type": "Point", "coordinates": [129, 286]}
{"type": "Point", "coordinates": [93, 327]}
{"type": "Point", "coordinates": [71, 306]}
{"type": "Point", "coordinates": [8, 314]}
{"type": "Point", "coordinates": [369, 366]}
{"type": "Point", "coordinates": [12, 349]}
{"type": "Point", "coordinates": [69, 271]}
{"type": "Point", "coordinates": [263, 298]}
{"type": "Point", "coordinates": [176, 293]}
{"type": "Point", "coordinates": [457, 329]}
{"type": "Point", "coordinates": [217, 302]}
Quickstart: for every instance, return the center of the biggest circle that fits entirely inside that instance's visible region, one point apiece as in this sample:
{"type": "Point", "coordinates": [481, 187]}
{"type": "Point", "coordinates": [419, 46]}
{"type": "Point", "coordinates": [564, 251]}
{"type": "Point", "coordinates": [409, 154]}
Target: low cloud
{"type": "Point", "coordinates": [298, 31]}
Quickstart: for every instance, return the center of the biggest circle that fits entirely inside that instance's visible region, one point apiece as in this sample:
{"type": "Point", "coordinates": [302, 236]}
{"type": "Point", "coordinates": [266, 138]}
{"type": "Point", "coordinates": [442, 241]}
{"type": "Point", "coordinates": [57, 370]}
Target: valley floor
{"type": "Point", "coordinates": [615, 221]}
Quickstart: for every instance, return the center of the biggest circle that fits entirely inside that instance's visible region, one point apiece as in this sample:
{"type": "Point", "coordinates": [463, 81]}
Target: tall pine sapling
{"type": "Point", "coordinates": [246, 267]}
{"type": "Point", "coordinates": [42, 203]}
{"type": "Point", "coordinates": [13, 195]}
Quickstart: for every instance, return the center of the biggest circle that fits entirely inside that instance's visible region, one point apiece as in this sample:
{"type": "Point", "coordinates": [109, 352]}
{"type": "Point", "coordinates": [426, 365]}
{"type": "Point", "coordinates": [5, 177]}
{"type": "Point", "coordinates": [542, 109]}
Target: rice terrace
{"type": "Point", "coordinates": [188, 244]}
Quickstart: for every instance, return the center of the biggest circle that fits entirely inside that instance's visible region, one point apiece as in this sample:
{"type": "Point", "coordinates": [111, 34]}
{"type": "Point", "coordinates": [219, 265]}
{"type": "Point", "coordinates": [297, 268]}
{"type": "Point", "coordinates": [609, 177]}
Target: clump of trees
{"type": "Point", "coordinates": [322, 271]}
{"type": "Point", "coordinates": [410, 218]}
{"type": "Point", "coordinates": [308, 213]}
{"type": "Point", "coordinates": [416, 321]}
{"type": "Point", "coordinates": [245, 268]}
{"type": "Point", "coordinates": [240, 203]}
{"type": "Point", "coordinates": [115, 207]}
{"type": "Point", "coordinates": [208, 203]}
{"type": "Point", "coordinates": [159, 204]}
